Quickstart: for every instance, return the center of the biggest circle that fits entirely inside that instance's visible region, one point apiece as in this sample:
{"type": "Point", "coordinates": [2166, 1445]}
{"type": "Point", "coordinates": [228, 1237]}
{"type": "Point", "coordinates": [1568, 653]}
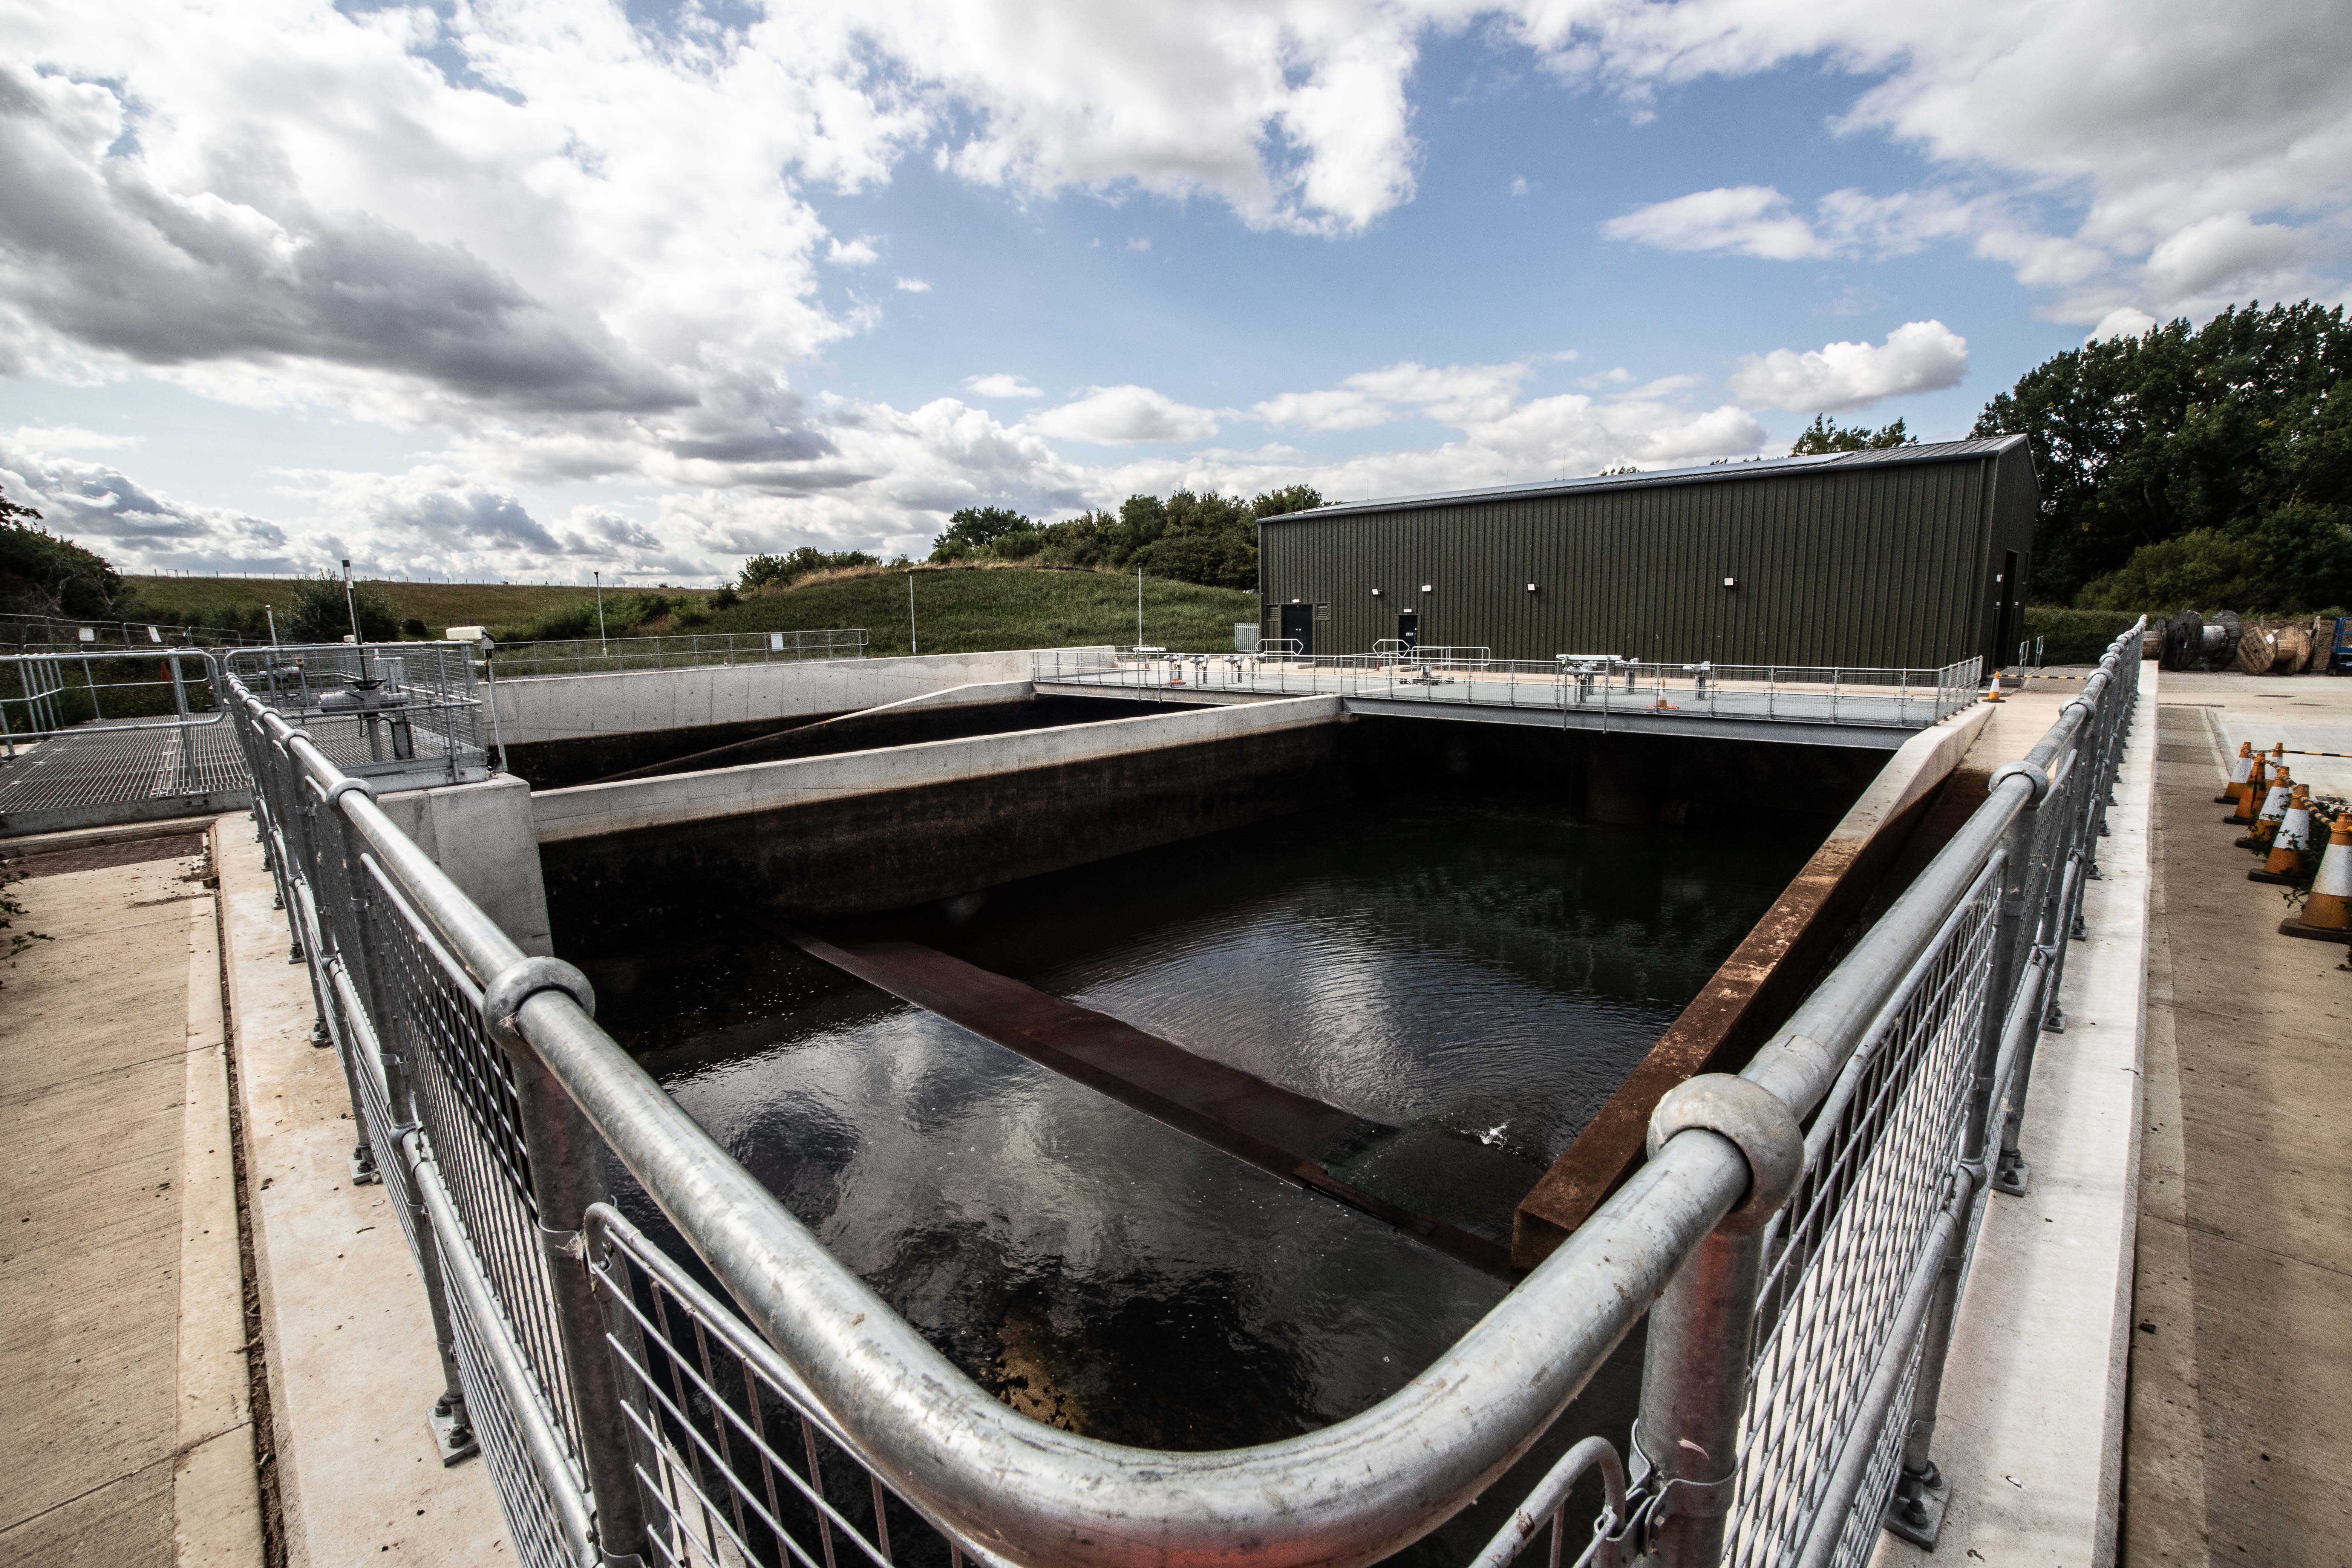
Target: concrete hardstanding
{"type": "Point", "coordinates": [2241, 1417]}
{"type": "Point", "coordinates": [350, 1341]}
{"type": "Point", "coordinates": [1912, 557]}
{"type": "Point", "coordinates": [126, 1434]}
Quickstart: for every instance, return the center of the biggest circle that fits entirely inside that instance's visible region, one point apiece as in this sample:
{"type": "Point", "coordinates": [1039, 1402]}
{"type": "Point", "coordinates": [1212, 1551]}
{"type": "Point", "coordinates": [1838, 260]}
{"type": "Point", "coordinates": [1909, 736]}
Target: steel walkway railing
{"type": "Point", "coordinates": [675, 650]}
{"type": "Point", "coordinates": [1798, 1237]}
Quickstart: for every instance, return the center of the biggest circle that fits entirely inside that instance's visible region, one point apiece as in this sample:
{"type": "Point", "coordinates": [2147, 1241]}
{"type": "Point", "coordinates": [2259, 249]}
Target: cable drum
{"type": "Point", "coordinates": [2184, 641]}
{"type": "Point", "coordinates": [2222, 649]}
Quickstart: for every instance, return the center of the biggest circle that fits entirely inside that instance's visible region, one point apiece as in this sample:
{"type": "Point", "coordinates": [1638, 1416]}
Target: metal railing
{"type": "Point", "coordinates": [1601, 685]}
{"type": "Point", "coordinates": [1801, 1230]}
{"type": "Point", "coordinates": [54, 632]}
{"type": "Point", "coordinates": [678, 651]}
{"type": "Point", "coordinates": [410, 708]}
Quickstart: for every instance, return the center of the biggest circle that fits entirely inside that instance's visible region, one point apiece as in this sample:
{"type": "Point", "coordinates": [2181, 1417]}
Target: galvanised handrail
{"type": "Point", "coordinates": [1725, 1153]}
{"type": "Point", "coordinates": [672, 650]}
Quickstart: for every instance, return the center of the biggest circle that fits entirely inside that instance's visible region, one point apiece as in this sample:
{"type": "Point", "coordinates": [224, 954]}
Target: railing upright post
{"type": "Point", "coordinates": [1693, 1384]}
{"type": "Point", "coordinates": [567, 1168]}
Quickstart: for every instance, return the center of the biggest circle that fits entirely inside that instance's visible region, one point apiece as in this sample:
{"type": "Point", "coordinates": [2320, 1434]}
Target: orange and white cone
{"type": "Point", "coordinates": [2239, 770]}
{"type": "Point", "coordinates": [2273, 811]}
{"type": "Point", "coordinates": [1994, 695]}
{"type": "Point", "coordinates": [2327, 913]}
{"type": "Point", "coordinates": [2257, 786]}
{"type": "Point", "coordinates": [2292, 837]}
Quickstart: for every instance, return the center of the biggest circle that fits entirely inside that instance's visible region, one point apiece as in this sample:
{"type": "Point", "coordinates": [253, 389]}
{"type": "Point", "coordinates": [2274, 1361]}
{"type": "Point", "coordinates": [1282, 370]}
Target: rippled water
{"type": "Point", "coordinates": [1479, 975]}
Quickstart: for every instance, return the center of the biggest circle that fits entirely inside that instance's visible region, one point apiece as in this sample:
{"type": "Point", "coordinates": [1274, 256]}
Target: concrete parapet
{"type": "Point", "coordinates": [567, 707]}
{"type": "Point", "coordinates": [482, 835]}
{"type": "Point", "coordinates": [858, 831]}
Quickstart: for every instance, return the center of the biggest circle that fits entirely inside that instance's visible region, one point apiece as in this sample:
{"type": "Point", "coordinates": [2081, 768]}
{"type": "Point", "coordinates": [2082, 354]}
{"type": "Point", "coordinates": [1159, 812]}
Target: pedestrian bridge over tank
{"type": "Point", "coordinates": [1869, 707]}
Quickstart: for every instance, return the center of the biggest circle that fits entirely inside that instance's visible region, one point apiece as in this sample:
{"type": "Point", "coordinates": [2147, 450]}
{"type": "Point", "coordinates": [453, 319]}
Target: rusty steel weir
{"type": "Point", "coordinates": [1268, 1125]}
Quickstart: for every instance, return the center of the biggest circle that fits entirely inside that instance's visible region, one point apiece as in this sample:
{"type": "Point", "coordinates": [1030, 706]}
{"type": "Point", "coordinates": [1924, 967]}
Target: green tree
{"type": "Point", "coordinates": [1826, 435]}
{"type": "Point", "coordinates": [1290, 498]}
{"type": "Point", "coordinates": [2241, 428]}
{"type": "Point", "coordinates": [973, 530]}
{"type": "Point", "coordinates": [42, 574]}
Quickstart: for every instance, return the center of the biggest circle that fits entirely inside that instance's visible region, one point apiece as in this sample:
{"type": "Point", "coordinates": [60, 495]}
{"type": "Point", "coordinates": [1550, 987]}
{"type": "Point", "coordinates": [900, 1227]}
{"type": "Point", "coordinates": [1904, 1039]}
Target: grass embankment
{"type": "Point", "coordinates": [438, 605]}
{"type": "Point", "coordinates": [969, 609]}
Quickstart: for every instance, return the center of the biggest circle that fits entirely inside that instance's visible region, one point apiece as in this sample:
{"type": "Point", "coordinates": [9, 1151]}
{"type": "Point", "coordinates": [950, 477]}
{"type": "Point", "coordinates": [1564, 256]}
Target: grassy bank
{"type": "Point", "coordinates": [438, 605]}
{"type": "Point", "coordinates": [961, 609]}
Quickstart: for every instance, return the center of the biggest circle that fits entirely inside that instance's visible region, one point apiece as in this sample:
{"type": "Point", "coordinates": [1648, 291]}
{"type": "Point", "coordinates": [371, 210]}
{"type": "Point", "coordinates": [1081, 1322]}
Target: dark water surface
{"type": "Point", "coordinates": [1480, 975]}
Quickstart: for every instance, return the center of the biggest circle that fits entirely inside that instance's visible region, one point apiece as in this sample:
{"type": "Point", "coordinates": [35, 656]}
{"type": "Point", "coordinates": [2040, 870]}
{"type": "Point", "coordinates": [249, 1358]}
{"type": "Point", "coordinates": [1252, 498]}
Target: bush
{"type": "Point", "coordinates": [2294, 560]}
{"type": "Point", "coordinates": [320, 612]}
{"type": "Point", "coordinates": [2074, 637]}
{"type": "Point", "coordinates": [43, 574]}
{"type": "Point", "coordinates": [782, 571]}
{"type": "Point", "coordinates": [412, 627]}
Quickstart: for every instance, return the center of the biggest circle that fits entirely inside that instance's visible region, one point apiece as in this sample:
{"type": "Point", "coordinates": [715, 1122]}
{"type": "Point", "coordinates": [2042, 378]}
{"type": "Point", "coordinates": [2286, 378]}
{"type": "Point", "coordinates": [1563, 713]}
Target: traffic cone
{"type": "Point", "coordinates": [2274, 812]}
{"type": "Point", "coordinates": [1994, 695]}
{"type": "Point", "coordinates": [2257, 783]}
{"type": "Point", "coordinates": [2327, 913]}
{"type": "Point", "coordinates": [2238, 770]}
{"type": "Point", "coordinates": [2288, 843]}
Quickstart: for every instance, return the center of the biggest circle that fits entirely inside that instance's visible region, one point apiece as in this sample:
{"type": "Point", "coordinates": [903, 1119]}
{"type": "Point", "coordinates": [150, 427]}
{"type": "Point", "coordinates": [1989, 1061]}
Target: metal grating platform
{"type": "Point", "coordinates": [125, 773]}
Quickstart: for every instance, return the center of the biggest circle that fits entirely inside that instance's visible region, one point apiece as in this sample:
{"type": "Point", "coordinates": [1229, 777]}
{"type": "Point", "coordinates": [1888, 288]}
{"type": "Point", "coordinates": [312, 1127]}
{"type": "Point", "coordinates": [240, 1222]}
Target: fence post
{"type": "Point", "coordinates": [567, 1173]}
{"type": "Point", "coordinates": [1695, 1367]}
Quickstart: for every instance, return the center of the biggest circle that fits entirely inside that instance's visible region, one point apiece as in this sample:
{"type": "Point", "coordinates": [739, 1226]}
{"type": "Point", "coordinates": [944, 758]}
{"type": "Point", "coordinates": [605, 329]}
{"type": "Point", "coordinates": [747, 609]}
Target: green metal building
{"type": "Point", "coordinates": [1913, 556]}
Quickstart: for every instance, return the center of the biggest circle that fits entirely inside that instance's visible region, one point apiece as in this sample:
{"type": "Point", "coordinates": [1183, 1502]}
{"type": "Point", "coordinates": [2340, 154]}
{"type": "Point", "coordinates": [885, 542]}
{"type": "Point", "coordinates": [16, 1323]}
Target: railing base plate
{"type": "Point", "coordinates": [452, 1434]}
{"type": "Point", "coordinates": [1915, 1512]}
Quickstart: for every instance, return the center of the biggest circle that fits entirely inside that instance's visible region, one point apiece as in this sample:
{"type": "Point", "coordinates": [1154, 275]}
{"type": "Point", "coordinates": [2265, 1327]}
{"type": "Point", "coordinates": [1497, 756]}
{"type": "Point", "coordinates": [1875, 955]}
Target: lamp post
{"type": "Point", "coordinates": [912, 647]}
{"type": "Point", "coordinates": [602, 645]}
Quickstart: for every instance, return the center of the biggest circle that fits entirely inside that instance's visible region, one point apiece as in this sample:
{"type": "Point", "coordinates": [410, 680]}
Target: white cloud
{"type": "Point", "coordinates": [1750, 220]}
{"type": "Point", "coordinates": [2123, 321]}
{"type": "Point", "coordinates": [2074, 142]}
{"type": "Point", "coordinates": [49, 440]}
{"type": "Point", "coordinates": [1139, 242]}
{"type": "Point", "coordinates": [1919, 356]}
{"type": "Point", "coordinates": [1121, 416]}
{"type": "Point", "coordinates": [1000, 386]}
{"type": "Point", "coordinates": [1519, 185]}
{"type": "Point", "coordinates": [858, 252]}
{"type": "Point", "coordinates": [913, 286]}
{"type": "Point", "coordinates": [1341, 408]}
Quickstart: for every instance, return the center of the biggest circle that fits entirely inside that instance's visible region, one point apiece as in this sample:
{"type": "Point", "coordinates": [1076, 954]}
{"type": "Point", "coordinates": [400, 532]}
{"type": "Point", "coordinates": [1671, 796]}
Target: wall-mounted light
{"type": "Point", "coordinates": [1294, 601]}
{"type": "Point", "coordinates": [1531, 588]}
{"type": "Point", "coordinates": [1732, 582]}
{"type": "Point", "coordinates": [1424, 587]}
{"type": "Point", "coordinates": [1376, 592]}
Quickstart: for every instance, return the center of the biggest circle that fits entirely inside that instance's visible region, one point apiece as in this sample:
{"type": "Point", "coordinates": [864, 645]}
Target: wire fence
{"type": "Point", "coordinates": [683, 650]}
{"type": "Point", "coordinates": [1601, 685]}
{"type": "Point", "coordinates": [1799, 1264]}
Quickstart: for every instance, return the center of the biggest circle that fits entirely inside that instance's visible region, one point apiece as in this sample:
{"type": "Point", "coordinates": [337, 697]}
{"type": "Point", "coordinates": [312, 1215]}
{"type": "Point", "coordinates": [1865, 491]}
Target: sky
{"type": "Point", "coordinates": [527, 289]}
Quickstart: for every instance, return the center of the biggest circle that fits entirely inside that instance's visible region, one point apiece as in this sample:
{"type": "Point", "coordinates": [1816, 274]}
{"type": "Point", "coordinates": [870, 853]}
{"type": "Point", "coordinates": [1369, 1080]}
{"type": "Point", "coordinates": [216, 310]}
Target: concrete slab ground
{"type": "Point", "coordinates": [2031, 1422]}
{"type": "Point", "coordinates": [126, 1435]}
{"type": "Point", "coordinates": [352, 1368]}
{"type": "Point", "coordinates": [2239, 1436]}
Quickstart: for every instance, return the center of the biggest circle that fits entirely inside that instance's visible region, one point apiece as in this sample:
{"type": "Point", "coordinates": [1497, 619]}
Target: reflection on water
{"type": "Point", "coordinates": [1478, 977]}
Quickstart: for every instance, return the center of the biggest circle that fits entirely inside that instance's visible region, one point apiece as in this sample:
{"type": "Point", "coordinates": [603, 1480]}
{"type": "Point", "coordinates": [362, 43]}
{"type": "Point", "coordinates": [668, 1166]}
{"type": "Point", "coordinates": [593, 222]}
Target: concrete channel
{"type": "Point", "coordinates": [877, 817]}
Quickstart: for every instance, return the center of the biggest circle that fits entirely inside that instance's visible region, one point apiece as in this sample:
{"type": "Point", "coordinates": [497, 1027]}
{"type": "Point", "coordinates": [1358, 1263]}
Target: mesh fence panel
{"type": "Point", "coordinates": [737, 1464]}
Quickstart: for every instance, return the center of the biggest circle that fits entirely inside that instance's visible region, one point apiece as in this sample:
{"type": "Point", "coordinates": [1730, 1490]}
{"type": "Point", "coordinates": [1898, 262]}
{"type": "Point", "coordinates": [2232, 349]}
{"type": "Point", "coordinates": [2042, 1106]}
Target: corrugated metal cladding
{"type": "Point", "coordinates": [1916, 556]}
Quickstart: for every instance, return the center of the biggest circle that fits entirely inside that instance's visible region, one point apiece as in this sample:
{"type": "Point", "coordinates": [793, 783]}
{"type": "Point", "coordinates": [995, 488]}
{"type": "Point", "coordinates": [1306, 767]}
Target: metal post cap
{"type": "Point", "coordinates": [343, 788]}
{"type": "Point", "coordinates": [1756, 1120]}
{"type": "Point", "coordinates": [2039, 778]}
{"type": "Point", "coordinates": [520, 981]}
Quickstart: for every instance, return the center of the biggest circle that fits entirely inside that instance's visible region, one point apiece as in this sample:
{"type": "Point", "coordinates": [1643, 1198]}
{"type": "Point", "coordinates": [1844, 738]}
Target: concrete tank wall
{"type": "Point", "coordinates": [539, 708]}
{"type": "Point", "coordinates": [831, 837]}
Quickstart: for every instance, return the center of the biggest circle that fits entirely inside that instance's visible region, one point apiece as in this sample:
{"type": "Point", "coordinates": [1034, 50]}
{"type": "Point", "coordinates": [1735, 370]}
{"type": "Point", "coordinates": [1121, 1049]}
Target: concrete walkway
{"type": "Point", "coordinates": [126, 1437]}
{"type": "Point", "coordinates": [2239, 1436]}
{"type": "Point", "coordinates": [352, 1368]}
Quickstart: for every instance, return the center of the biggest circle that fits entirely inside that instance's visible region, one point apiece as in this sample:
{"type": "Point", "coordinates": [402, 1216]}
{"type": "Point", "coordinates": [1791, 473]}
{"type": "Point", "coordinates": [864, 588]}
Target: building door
{"type": "Point", "coordinates": [1408, 629]}
{"type": "Point", "coordinates": [1299, 626]}
{"type": "Point", "coordinates": [2006, 620]}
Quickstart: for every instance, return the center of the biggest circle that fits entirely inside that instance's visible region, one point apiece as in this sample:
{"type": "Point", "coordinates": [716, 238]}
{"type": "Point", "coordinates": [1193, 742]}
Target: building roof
{"type": "Point", "coordinates": [1711, 473]}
